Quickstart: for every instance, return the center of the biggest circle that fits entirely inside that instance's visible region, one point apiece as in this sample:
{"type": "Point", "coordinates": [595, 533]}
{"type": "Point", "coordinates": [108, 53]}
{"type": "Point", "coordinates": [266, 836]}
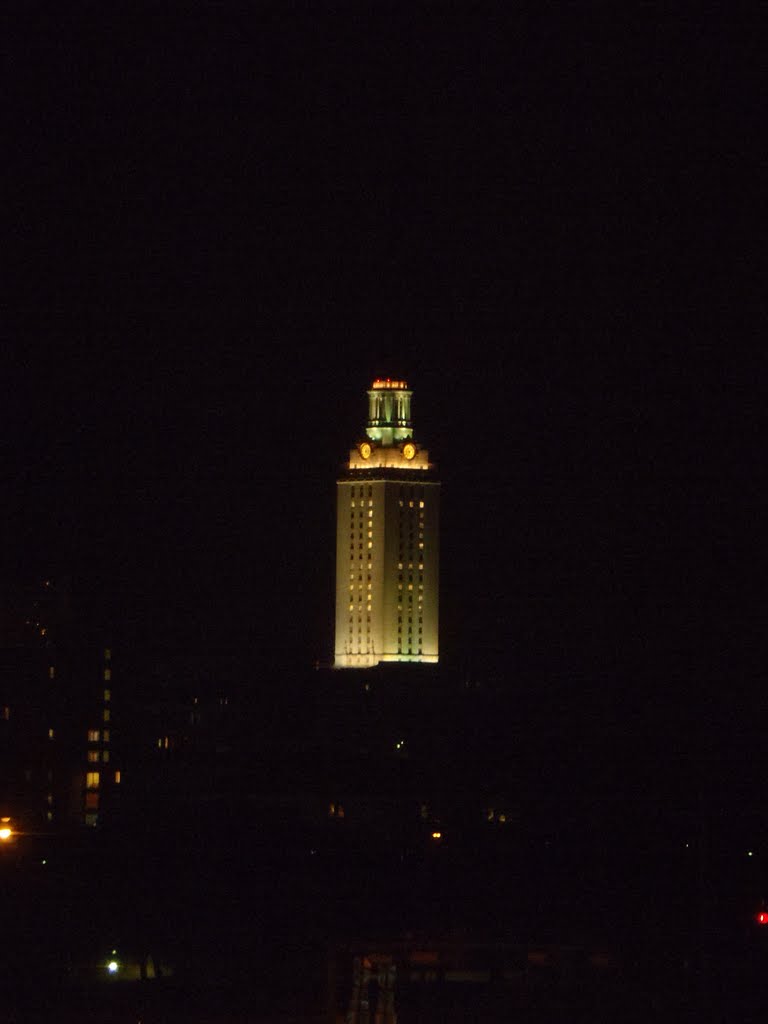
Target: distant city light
{"type": "Point", "coordinates": [749, 853]}
{"type": "Point", "coordinates": [437, 835]}
{"type": "Point", "coordinates": [112, 966]}
{"type": "Point", "coordinates": [5, 833]}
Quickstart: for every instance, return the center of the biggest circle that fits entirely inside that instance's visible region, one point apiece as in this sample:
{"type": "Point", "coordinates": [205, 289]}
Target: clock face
{"type": "Point", "coordinates": [409, 450]}
{"type": "Point", "coordinates": [365, 450]}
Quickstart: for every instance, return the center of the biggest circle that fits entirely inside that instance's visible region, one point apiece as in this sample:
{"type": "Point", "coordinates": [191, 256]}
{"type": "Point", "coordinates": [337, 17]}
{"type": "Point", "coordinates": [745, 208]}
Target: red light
{"type": "Point", "coordinates": [762, 917]}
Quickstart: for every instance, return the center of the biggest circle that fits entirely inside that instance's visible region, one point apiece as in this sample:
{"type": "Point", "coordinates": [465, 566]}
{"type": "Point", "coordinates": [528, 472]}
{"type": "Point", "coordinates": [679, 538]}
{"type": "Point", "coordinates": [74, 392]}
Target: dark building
{"type": "Point", "coordinates": [57, 722]}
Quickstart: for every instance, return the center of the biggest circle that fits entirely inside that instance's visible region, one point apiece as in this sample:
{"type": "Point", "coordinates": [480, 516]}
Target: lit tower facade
{"type": "Point", "coordinates": [387, 540]}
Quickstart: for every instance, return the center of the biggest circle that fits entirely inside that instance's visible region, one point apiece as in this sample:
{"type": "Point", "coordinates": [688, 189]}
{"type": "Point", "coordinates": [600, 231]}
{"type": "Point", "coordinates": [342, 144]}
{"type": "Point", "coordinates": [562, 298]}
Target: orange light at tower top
{"type": "Point", "coordinates": [391, 385]}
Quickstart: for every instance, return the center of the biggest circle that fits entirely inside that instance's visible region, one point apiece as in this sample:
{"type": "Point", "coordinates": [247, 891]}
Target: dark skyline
{"type": "Point", "coordinates": [223, 225]}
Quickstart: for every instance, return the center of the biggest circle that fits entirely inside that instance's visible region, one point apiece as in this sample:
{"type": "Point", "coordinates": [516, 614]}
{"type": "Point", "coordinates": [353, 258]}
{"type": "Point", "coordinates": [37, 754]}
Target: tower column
{"type": "Point", "coordinates": [387, 541]}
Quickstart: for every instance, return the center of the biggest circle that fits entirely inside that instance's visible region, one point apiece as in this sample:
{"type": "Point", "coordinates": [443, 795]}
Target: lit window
{"type": "Point", "coordinates": [91, 819]}
{"type": "Point", "coordinates": [107, 695]}
{"type": "Point", "coordinates": [106, 736]}
{"type": "Point", "coordinates": [118, 777]}
{"type": "Point", "coordinates": [6, 712]}
{"type": "Point", "coordinates": [92, 780]}
{"type": "Point", "coordinates": [50, 734]}
{"type": "Point", "coordinates": [51, 672]}
{"type": "Point", "coordinates": [107, 674]}
{"type": "Point", "coordinates": [106, 714]}
{"type": "Point", "coordinates": [92, 801]}
{"type": "Point", "coordinates": [93, 755]}
{"type": "Point", "coordinates": [421, 504]}
{"type": "Point", "coordinates": [370, 543]}
{"type": "Point", "coordinates": [107, 654]}
{"type": "Point", "coordinates": [105, 756]}
{"type": "Point", "coordinates": [94, 735]}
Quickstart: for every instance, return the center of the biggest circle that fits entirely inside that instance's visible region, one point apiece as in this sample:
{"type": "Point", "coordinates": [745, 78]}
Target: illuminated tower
{"type": "Point", "coordinates": [387, 541]}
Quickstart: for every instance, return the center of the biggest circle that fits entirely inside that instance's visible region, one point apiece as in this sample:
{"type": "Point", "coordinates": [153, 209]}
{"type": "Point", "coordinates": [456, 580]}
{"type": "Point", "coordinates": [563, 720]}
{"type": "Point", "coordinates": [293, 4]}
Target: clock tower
{"type": "Point", "coordinates": [387, 540]}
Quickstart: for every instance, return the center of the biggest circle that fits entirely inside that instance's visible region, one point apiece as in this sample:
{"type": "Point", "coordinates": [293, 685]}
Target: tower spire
{"type": "Point", "coordinates": [389, 412]}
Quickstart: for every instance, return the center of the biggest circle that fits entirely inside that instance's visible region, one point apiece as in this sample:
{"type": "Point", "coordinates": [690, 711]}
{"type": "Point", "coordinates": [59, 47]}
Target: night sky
{"type": "Point", "coordinates": [222, 223]}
